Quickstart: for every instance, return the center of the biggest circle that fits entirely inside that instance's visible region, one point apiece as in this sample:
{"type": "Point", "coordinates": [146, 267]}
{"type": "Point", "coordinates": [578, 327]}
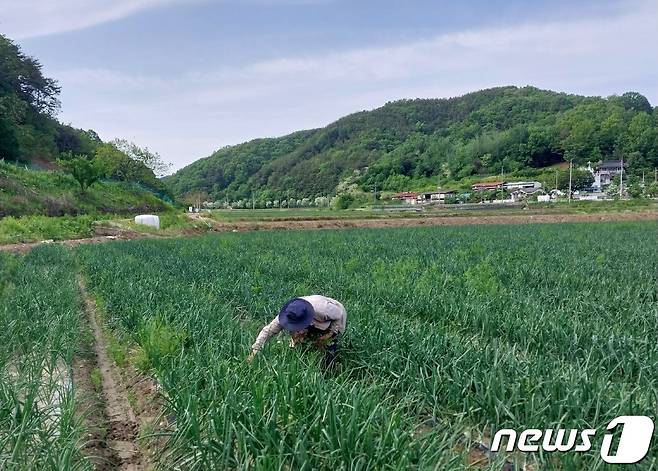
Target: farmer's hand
{"type": "Point", "coordinates": [321, 342]}
{"type": "Point", "coordinates": [297, 338]}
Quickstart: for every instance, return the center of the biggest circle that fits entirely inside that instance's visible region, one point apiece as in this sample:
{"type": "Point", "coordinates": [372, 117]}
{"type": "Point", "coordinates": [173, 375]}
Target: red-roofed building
{"type": "Point", "coordinates": [407, 197]}
{"type": "Point", "coordinates": [487, 186]}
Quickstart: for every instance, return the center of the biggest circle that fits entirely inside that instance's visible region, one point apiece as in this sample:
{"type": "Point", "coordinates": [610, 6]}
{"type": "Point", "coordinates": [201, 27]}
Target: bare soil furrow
{"type": "Point", "coordinates": [116, 428]}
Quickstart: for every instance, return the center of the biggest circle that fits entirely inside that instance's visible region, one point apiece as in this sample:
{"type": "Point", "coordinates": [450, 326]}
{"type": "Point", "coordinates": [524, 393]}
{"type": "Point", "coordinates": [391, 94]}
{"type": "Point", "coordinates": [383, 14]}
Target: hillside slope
{"type": "Point", "coordinates": [31, 192]}
{"type": "Point", "coordinates": [31, 135]}
{"type": "Point", "coordinates": [413, 144]}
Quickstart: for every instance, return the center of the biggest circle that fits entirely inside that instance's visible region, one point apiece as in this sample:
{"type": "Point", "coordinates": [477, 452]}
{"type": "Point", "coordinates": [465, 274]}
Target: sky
{"type": "Point", "coordinates": [186, 77]}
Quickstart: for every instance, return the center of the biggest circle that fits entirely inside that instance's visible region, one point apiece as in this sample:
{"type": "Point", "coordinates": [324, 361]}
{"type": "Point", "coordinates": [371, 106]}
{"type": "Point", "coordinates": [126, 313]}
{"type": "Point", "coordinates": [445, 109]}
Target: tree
{"type": "Point", "coordinates": [652, 190]}
{"type": "Point", "coordinates": [117, 164]}
{"type": "Point", "coordinates": [343, 201]}
{"type": "Point", "coordinates": [580, 179]}
{"type": "Point", "coordinates": [8, 142]}
{"type": "Point", "coordinates": [634, 190]}
{"type": "Point", "coordinates": [151, 160]}
{"type": "Point", "coordinates": [636, 101]}
{"type": "Point", "coordinates": [196, 198]}
{"type": "Point", "coordinates": [21, 75]}
{"type": "Point", "coordinates": [85, 171]}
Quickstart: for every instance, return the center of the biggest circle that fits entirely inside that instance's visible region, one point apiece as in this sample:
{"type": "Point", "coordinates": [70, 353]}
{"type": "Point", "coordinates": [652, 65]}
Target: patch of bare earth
{"type": "Point", "coordinates": [432, 221]}
{"type": "Point", "coordinates": [479, 456]}
{"type": "Point", "coordinates": [91, 408]}
{"type": "Point", "coordinates": [102, 233]}
{"type": "Point", "coordinates": [110, 419]}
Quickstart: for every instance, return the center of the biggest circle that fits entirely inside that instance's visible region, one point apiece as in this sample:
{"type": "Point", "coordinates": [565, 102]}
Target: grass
{"type": "Point", "coordinates": [450, 330]}
{"type": "Point", "coordinates": [561, 207]}
{"type": "Point", "coordinates": [36, 228]}
{"type": "Point", "coordinates": [236, 215]}
{"type": "Point", "coordinates": [39, 228]}
{"type": "Point", "coordinates": [97, 380]}
{"type": "Point", "coordinates": [26, 192]}
{"type": "Point", "coordinates": [577, 206]}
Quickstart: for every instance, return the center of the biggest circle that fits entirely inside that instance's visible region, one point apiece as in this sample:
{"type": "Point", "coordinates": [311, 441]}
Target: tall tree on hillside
{"type": "Point", "coordinates": [28, 104]}
{"type": "Point", "coordinates": [150, 159]}
{"type": "Point", "coordinates": [21, 75]}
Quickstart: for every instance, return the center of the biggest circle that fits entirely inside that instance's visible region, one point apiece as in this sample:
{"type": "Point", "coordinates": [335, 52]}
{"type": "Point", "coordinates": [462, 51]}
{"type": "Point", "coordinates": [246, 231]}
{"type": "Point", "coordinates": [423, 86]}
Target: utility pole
{"type": "Point", "coordinates": [621, 179]}
{"type": "Point", "coordinates": [253, 201]}
{"type": "Point", "coordinates": [570, 172]}
{"type": "Point", "coordinates": [556, 179]}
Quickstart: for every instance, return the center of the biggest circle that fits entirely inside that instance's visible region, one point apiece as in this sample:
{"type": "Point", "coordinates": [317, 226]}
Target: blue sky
{"type": "Point", "coordinates": [187, 77]}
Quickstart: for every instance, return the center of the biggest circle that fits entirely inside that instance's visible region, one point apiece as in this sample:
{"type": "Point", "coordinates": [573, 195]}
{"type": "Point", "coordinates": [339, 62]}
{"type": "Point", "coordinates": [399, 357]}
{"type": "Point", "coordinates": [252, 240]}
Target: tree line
{"type": "Point", "coordinates": [30, 131]}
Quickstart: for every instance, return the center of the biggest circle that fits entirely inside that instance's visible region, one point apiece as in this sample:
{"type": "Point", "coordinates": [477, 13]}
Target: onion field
{"type": "Point", "coordinates": [452, 332]}
{"type": "Point", "coordinates": [39, 335]}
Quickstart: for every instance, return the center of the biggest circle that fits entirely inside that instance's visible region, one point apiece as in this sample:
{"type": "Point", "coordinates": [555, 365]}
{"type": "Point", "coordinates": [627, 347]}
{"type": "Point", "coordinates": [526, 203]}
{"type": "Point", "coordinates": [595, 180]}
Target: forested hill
{"type": "Point", "coordinates": [32, 136]}
{"type": "Point", "coordinates": [413, 144]}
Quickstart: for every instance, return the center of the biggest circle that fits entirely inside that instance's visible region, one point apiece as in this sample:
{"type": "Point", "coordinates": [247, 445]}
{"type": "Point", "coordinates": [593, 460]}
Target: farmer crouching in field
{"type": "Point", "coordinates": [308, 319]}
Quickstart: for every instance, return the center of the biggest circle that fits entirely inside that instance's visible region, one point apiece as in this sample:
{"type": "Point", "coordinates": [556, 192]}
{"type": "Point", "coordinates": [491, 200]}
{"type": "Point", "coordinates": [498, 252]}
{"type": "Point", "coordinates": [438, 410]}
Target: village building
{"type": "Point", "coordinates": [521, 194]}
{"type": "Point", "coordinates": [406, 197]}
{"type": "Point", "coordinates": [485, 186]}
{"type": "Point", "coordinates": [511, 186]}
{"type": "Point", "coordinates": [435, 196]}
{"type": "Point", "coordinates": [605, 171]}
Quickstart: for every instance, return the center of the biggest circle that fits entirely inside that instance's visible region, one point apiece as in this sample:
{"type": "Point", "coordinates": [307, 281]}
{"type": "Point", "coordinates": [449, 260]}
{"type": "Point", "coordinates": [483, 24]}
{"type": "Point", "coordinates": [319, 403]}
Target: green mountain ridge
{"type": "Point", "coordinates": [416, 144]}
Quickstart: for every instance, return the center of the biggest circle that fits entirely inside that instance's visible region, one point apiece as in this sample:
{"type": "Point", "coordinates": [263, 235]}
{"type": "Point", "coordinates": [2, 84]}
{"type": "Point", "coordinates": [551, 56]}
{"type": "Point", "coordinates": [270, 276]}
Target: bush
{"type": "Point", "coordinates": [343, 201]}
{"type": "Point", "coordinates": [158, 342]}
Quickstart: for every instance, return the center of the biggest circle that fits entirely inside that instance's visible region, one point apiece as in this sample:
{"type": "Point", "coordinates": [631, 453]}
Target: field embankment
{"type": "Point", "coordinates": [25, 192]}
{"type": "Point", "coordinates": [30, 230]}
{"type": "Point", "coordinates": [340, 223]}
{"type": "Point", "coordinates": [176, 225]}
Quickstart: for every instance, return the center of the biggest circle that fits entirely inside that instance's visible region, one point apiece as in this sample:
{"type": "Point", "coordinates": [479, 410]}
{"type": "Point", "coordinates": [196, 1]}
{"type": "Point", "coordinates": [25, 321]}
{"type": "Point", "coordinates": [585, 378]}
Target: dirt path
{"type": "Point", "coordinates": [120, 440]}
{"type": "Point", "coordinates": [22, 248]}
{"type": "Point", "coordinates": [244, 226]}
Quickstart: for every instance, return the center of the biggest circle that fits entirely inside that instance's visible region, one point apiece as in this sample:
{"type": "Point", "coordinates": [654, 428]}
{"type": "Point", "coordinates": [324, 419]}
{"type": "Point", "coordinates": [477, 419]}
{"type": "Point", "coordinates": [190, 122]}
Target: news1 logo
{"type": "Point", "coordinates": [632, 445]}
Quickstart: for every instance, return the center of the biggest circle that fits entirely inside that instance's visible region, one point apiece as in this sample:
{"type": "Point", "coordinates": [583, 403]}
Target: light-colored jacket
{"type": "Point", "coordinates": [330, 315]}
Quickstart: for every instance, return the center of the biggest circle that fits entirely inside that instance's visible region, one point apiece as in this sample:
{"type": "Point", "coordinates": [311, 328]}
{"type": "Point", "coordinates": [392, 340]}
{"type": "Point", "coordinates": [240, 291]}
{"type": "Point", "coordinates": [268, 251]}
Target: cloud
{"type": "Point", "coordinates": [187, 116]}
{"type": "Point", "coordinates": [30, 18]}
{"type": "Point", "coordinates": [21, 19]}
